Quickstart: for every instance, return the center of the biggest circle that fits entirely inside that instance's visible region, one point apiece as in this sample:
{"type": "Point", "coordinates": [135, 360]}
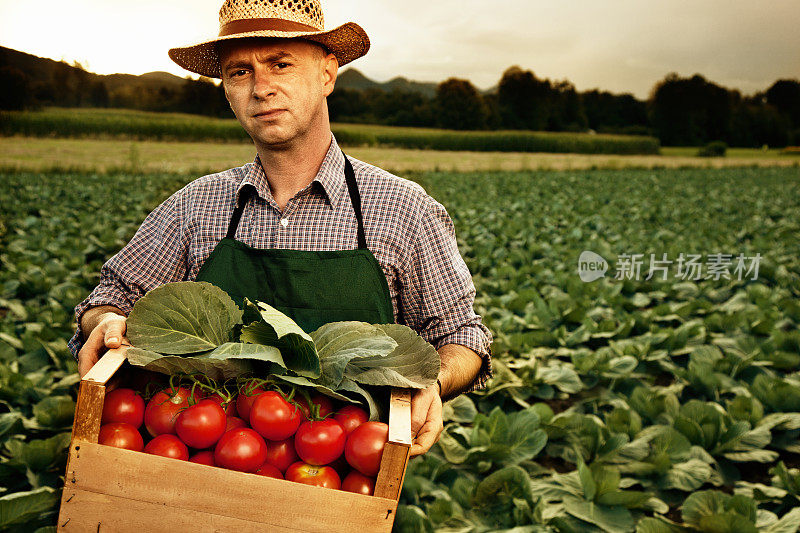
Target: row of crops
{"type": "Point", "coordinates": [617, 405]}
{"type": "Point", "coordinates": [129, 124]}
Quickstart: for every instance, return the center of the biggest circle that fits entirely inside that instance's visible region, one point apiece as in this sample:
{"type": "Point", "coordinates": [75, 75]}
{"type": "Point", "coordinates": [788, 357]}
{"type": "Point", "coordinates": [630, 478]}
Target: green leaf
{"type": "Point", "coordinates": [658, 525]}
{"type": "Point", "coordinates": [41, 454]}
{"type": "Point", "coordinates": [459, 409]}
{"type": "Point", "coordinates": [22, 507]}
{"type": "Point", "coordinates": [610, 519]}
{"type": "Point", "coordinates": [630, 499]}
{"type": "Point", "coordinates": [183, 317]}
{"type": "Point", "coordinates": [587, 481]}
{"type": "Point", "coordinates": [504, 484]}
{"type": "Point", "coordinates": [688, 476]}
{"type": "Point", "coordinates": [726, 523]}
{"type": "Point", "coordinates": [216, 366]}
{"type": "Point", "coordinates": [339, 342]}
{"type": "Point", "coordinates": [414, 363]}
{"type": "Point", "coordinates": [789, 523]}
{"type": "Point", "coordinates": [277, 329]}
{"type": "Point", "coordinates": [10, 424]}
{"type": "Point", "coordinates": [703, 504]}
{"type": "Point", "coordinates": [55, 411]}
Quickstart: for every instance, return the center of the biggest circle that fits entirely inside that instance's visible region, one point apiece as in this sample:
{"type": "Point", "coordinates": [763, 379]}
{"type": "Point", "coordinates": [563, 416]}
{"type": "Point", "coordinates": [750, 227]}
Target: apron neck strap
{"type": "Point", "coordinates": [352, 188]}
{"type": "Point", "coordinates": [244, 195]}
{"type": "Point", "coordinates": [355, 198]}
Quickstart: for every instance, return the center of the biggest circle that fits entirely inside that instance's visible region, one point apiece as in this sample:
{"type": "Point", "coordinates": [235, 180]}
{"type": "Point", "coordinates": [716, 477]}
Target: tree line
{"type": "Point", "coordinates": [680, 111]}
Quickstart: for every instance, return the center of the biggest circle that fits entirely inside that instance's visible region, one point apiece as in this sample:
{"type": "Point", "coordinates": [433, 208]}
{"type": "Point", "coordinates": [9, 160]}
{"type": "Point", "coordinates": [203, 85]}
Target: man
{"type": "Point", "coordinates": [320, 236]}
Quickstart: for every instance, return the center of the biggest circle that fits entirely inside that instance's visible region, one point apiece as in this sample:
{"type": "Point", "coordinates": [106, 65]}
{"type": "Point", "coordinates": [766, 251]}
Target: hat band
{"type": "Point", "coordinates": [262, 24]}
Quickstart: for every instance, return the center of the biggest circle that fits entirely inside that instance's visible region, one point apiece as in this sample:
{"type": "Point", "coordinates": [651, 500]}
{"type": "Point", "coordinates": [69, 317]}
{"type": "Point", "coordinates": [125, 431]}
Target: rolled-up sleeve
{"type": "Point", "coordinates": [438, 293]}
{"type": "Point", "coordinates": [155, 255]}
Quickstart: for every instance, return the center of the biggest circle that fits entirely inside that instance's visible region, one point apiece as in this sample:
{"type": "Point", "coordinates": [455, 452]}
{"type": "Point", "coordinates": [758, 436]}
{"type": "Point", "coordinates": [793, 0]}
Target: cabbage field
{"type": "Point", "coordinates": [669, 404]}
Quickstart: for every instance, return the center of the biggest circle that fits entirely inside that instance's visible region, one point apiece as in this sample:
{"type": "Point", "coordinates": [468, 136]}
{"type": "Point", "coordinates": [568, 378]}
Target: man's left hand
{"type": "Point", "coordinates": [426, 419]}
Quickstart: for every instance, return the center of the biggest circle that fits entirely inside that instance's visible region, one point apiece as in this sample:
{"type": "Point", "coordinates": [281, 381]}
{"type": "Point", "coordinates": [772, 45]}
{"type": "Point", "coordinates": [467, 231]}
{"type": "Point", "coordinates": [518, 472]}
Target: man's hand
{"type": "Point", "coordinates": [108, 332]}
{"type": "Point", "coordinates": [426, 419]}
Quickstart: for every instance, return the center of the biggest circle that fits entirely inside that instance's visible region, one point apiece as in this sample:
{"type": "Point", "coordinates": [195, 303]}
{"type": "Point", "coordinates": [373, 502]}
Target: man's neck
{"type": "Point", "coordinates": [289, 170]}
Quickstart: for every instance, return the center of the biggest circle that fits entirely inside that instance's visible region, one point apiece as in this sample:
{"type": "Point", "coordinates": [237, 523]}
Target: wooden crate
{"type": "Point", "coordinates": [111, 489]}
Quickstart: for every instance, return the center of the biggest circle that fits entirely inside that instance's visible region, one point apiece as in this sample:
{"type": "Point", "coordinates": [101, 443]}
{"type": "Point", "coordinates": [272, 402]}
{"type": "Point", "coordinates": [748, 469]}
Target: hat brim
{"type": "Point", "coordinates": [348, 42]}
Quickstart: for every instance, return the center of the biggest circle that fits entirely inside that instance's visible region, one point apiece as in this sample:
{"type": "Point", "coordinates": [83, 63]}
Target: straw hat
{"type": "Point", "coordinates": [287, 19]}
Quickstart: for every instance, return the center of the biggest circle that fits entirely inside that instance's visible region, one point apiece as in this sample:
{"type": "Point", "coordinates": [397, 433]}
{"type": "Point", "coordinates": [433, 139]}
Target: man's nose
{"type": "Point", "coordinates": [264, 84]}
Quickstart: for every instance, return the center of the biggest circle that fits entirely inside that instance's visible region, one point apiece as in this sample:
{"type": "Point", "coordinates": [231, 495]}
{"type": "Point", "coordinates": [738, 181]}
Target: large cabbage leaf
{"type": "Point", "coordinates": [182, 318]}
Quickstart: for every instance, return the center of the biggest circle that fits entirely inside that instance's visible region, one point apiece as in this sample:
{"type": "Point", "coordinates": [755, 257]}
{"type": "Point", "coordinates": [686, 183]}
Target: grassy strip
{"type": "Point", "coordinates": [199, 158]}
{"type": "Point", "coordinates": [140, 125]}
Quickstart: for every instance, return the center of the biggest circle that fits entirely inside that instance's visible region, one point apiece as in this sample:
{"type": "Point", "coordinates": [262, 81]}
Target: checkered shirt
{"type": "Point", "coordinates": [410, 234]}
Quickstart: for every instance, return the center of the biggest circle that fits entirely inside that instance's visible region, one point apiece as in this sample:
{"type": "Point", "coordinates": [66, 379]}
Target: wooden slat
{"type": "Point", "coordinates": [393, 471]}
{"type": "Point", "coordinates": [181, 486]}
{"type": "Point", "coordinates": [88, 411]}
{"type": "Point", "coordinates": [85, 511]}
{"type": "Point", "coordinates": [395, 454]}
{"type": "Point", "coordinates": [108, 364]}
{"type": "Point", "coordinates": [400, 416]}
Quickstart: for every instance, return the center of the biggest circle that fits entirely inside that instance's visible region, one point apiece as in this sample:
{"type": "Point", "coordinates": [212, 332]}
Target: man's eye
{"type": "Point", "coordinates": [240, 72]}
{"type": "Point", "coordinates": [283, 65]}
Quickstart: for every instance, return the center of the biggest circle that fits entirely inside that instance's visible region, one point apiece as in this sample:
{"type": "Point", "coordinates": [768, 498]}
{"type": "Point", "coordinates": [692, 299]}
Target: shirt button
{"type": "Point", "coordinates": [284, 222]}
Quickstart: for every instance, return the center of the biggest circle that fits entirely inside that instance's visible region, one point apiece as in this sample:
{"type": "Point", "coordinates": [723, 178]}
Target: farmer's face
{"type": "Point", "coordinates": [277, 88]}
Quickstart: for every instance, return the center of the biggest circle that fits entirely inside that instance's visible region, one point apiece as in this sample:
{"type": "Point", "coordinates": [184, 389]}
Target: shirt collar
{"type": "Point", "coordinates": [330, 176]}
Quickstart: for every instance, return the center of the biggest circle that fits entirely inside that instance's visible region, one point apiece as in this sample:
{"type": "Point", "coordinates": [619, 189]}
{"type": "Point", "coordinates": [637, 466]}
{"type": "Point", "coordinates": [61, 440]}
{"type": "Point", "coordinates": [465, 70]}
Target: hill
{"type": "Point", "coordinates": [43, 70]}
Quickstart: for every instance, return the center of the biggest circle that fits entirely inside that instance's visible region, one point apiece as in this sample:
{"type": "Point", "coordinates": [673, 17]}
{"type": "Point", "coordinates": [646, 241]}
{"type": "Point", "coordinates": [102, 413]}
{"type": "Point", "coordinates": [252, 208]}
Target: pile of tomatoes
{"type": "Point", "coordinates": [298, 437]}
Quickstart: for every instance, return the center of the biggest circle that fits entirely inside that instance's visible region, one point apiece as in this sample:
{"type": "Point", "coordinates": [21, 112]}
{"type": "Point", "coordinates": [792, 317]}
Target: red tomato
{"type": "Point", "coordinates": [235, 422]}
{"type": "Point", "coordinates": [350, 417]}
{"type": "Point", "coordinates": [167, 445]}
{"type": "Point", "coordinates": [241, 449]}
{"type": "Point", "coordinates": [269, 471]}
{"type": "Point", "coordinates": [206, 457]}
{"type": "Point", "coordinates": [244, 402]}
{"type": "Point", "coordinates": [123, 405]}
{"type": "Point", "coordinates": [201, 425]}
{"type": "Point", "coordinates": [319, 476]}
{"type": "Point", "coordinates": [355, 481]}
{"type": "Point", "coordinates": [320, 442]}
{"type": "Point", "coordinates": [162, 410]}
{"type": "Point", "coordinates": [364, 447]}
{"type": "Point", "coordinates": [228, 406]}
{"type": "Point", "coordinates": [325, 405]}
{"type": "Point", "coordinates": [281, 453]}
{"type": "Point", "coordinates": [121, 435]}
{"type": "Point", "coordinates": [273, 417]}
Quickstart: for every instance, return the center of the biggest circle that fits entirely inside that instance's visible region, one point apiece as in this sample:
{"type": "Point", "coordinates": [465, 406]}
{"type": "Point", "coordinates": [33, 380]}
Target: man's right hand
{"type": "Point", "coordinates": [107, 331]}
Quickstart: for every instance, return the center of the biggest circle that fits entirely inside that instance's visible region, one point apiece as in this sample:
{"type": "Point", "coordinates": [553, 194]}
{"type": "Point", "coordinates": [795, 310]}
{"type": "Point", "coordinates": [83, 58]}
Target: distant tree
{"type": "Point", "coordinates": [346, 105]}
{"type": "Point", "coordinates": [784, 95]}
{"type": "Point", "coordinates": [16, 92]}
{"type": "Point", "coordinates": [524, 100]}
{"type": "Point", "coordinates": [62, 86]}
{"type": "Point", "coordinates": [203, 97]}
{"type": "Point", "coordinates": [690, 111]}
{"type": "Point", "coordinates": [614, 113]}
{"type": "Point", "coordinates": [755, 123]}
{"type": "Point", "coordinates": [567, 113]}
{"type": "Point", "coordinates": [459, 105]}
{"type": "Point", "coordinates": [98, 94]}
{"type": "Point", "coordinates": [82, 85]}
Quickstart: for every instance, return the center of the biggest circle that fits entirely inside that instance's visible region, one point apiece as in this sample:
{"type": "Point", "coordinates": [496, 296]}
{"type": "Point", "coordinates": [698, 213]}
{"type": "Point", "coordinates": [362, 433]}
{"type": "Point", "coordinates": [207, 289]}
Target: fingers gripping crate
{"type": "Point", "coordinates": [111, 489]}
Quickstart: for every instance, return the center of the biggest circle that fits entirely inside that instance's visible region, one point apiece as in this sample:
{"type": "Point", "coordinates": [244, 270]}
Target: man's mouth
{"type": "Point", "coordinates": [269, 114]}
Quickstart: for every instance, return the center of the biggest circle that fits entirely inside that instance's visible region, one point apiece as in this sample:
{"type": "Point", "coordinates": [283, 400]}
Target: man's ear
{"type": "Point", "coordinates": [330, 71]}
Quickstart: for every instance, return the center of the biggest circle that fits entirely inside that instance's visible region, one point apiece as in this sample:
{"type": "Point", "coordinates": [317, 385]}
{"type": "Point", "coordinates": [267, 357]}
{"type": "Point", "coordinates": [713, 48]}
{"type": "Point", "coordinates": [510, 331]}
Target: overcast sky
{"type": "Point", "coordinates": [616, 45]}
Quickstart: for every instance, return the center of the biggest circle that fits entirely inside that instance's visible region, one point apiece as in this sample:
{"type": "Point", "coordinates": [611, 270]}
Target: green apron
{"type": "Point", "coordinates": [311, 287]}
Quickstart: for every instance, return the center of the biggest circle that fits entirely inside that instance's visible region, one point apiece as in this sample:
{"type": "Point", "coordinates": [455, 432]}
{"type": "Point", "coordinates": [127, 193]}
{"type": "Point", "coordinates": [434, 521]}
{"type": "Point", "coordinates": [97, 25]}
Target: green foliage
{"type": "Point", "coordinates": [656, 406]}
{"type": "Point", "coordinates": [713, 149]}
